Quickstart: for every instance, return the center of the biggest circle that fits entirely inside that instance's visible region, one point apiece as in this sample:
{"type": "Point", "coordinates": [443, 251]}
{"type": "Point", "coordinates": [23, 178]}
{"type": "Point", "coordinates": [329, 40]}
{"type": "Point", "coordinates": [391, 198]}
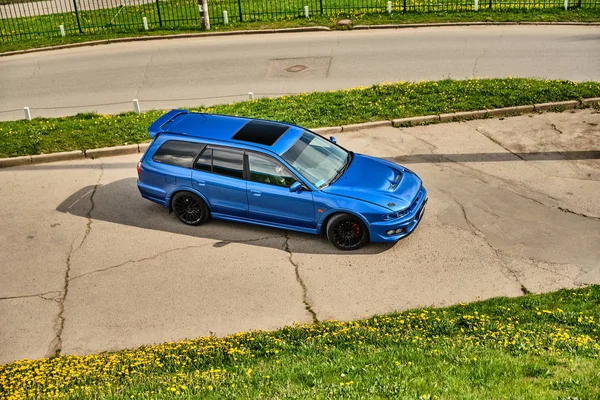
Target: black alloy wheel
{"type": "Point", "coordinates": [189, 208]}
{"type": "Point", "coordinates": [347, 232]}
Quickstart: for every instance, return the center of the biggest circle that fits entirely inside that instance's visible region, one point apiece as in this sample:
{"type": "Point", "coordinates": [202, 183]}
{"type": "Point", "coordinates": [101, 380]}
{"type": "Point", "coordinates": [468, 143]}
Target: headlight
{"type": "Point", "coordinates": [398, 214]}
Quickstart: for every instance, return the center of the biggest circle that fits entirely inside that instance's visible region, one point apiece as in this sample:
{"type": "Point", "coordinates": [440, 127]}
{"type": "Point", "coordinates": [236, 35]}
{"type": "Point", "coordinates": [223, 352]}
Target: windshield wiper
{"type": "Point", "coordinates": [341, 170]}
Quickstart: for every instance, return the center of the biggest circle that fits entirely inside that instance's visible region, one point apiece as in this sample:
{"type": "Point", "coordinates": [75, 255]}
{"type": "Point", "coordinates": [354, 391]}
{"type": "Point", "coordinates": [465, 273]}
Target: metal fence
{"type": "Point", "coordinates": [35, 19]}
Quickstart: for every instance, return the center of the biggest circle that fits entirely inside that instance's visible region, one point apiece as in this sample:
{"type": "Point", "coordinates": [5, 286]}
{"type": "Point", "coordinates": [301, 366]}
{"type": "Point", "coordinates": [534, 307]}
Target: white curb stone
{"type": "Point", "coordinates": [63, 156]}
{"type": "Point", "coordinates": [556, 104]}
{"type": "Point", "coordinates": [509, 111]}
{"type": "Point", "coordinates": [416, 120]}
{"type": "Point", "coordinates": [462, 115]}
{"type": "Point", "coordinates": [366, 125]}
{"type": "Point", "coordinates": [328, 130]}
{"type": "Point", "coordinates": [112, 151]}
{"type": "Point", "coordinates": [143, 146]}
{"type": "Point", "coordinates": [592, 101]}
{"type": "Point", "coordinates": [14, 161]}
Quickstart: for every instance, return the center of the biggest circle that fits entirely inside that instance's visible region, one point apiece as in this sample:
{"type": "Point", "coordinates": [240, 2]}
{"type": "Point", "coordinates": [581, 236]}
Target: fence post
{"type": "Point", "coordinates": [158, 10]}
{"type": "Point", "coordinates": [305, 11]}
{"type": "Point", "coordinates": [145, 22]}
{"type": "Point", "coordinates": [27, 113]}
{"type": "Point", "coordinates": [476, 5]}
{"type": "Point", "coordinates": [77, 16]}
{"type": "Point", "coordinates": [136, 106]}
{"type": "Point", "coordinates": [389, 7]}
{"type": "Point", "coordinates": [225, 18]}
{"type": "Point", "coordinates": [62, 30]}
{"type": "Point", "coordinates": [240, 8]}
{"type": "Point", "coordinates": [490, 5]}
{"type": "Point", "coordinates": [566, 5]}
{"type": "Point", "coordinates": [404, 7]}
{"type": "Point", "coordinates": [321, 1]}
{"type": "Point", "coordinates": [250, 96]}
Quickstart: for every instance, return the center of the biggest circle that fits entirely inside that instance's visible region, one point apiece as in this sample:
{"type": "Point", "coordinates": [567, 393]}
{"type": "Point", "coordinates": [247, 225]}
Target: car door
{"type": "Point", "coordinates": [269, 196]}
{"type": "Point", "coordinates": [219, 175]}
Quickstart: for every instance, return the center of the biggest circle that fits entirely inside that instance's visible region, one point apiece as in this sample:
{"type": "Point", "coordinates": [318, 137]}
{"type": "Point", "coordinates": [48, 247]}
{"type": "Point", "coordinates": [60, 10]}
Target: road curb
{"type": "Point", "coordinates": [463, 115]}
{"type": "Point", "coordinates": [444, 24]}
{"type": "Point", "coordinates": [506, 111]}
{"type": "Point", "coordinates": [14, 161]}
{"type": "Point", "coordinates": [328, 130]}
{"type": "Point", "coordinates": [558, 104]}
{"type": "Point", "coordinates": [63, 156]}
{"type": "Point", "coordinates": [143, 146]}
{"type": "Point", "coordinates": [415, 120]}
{"type": "Point", "coordinates": [365, 125]}
{"type": "Point", "coordinates": [112, 151]}
{"type": "Point", "coordinates": [591, 102]}
{"type": "Point", "coordinates": [167, 37]}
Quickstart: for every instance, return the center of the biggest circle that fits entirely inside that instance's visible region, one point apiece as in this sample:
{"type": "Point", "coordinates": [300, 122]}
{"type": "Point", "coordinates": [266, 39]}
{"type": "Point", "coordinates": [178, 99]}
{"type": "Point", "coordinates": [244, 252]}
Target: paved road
{"type": "Point", "coordinates": [162, 74]}
{"type": "Point", "coordinates": [87, 265]}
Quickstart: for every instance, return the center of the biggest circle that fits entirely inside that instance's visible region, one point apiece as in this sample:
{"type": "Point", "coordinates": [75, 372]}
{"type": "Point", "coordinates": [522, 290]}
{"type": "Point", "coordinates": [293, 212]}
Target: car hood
{"type": "Point", "coordinates": [377, 181]}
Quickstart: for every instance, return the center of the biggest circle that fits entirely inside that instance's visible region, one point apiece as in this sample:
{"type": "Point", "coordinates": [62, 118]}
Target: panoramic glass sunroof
{"type": "Point", "coordinates": [260, 132]}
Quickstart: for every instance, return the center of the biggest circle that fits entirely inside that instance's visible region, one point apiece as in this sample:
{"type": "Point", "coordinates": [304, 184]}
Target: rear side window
{"type": "Point", "coordinates": [178, 152]}
{"type": "Point", "coordinates": [228, 163]}
{"type": "Point", "coordinates": [222, 162]}
{"type": "Point", "coordinates": [204, 162]}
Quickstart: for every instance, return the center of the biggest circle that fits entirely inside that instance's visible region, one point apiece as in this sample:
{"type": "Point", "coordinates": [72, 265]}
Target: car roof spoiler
{"type": "Point", "coordinates": [161, 123]}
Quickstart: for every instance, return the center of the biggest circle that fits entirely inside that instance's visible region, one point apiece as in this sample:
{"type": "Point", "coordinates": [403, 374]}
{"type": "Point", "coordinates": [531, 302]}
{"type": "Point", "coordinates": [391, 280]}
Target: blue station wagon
{"type": "Point", "coordinates": [278, 175]}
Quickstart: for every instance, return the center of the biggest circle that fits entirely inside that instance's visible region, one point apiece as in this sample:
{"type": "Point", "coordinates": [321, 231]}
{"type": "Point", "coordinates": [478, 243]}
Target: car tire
{"type": "Point", "coordinates": [347, 232]}
{"type": "Point", "coordinates": [190, 208]}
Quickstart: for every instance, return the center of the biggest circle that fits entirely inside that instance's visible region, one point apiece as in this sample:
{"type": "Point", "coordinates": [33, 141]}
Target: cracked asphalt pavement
{"type": "Point", "coordinates": [87, 265]}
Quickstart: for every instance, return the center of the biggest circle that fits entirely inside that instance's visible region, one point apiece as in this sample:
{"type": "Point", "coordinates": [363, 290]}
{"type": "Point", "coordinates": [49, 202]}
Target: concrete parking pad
{"type": "Point", "coordinates": [86, 265]}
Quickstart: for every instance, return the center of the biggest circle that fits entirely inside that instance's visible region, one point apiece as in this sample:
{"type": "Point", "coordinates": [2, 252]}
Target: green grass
{"type": "Point", "coordinates": [532, 347]}
{"type": "Point", "coordinates": [183, 17]}
{"type": "Point", "coordinates": [378, 102]}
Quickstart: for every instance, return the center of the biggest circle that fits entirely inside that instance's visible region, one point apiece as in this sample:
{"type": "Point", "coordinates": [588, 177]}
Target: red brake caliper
{"type": "Point", "coordinates": [357, 229]}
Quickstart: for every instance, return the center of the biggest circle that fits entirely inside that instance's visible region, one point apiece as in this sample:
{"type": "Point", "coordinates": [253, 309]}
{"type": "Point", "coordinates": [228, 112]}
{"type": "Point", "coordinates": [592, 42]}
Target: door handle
{"type": "Point", "coordinates": [256, 192]}
{"type": "Point", "coordinates": [200, 183]}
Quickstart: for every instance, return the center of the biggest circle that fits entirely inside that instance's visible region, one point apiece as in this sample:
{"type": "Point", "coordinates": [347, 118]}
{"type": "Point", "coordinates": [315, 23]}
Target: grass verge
{"type": "Point", "coordinates": [535, 347]}
{"type": "Point", "coordinates": [519, 15]}
{"type": "Point", "coordinates": [363, 104]}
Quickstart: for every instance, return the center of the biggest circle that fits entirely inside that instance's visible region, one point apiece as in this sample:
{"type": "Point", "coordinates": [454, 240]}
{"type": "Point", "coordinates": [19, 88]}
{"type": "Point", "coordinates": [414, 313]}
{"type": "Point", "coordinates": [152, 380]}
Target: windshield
{"type": "Point", "coordinates": [317, 159]}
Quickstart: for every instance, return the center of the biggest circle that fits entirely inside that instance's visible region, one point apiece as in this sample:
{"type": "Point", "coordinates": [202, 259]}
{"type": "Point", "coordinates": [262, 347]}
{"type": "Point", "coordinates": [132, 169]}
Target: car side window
{"type": "Point", "coordinates": [204, 162]}
{"type": "Point", "coordinates": [178, 152]}
{"type": "Point", "coordinates": [264, 169]}
{"type": "Point", "coordinates": [228, 163]}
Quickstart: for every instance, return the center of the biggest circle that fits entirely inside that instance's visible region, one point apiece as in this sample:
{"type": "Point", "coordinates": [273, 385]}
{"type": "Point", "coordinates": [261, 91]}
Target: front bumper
{"type": "Point", "coordinates": [378, 230]}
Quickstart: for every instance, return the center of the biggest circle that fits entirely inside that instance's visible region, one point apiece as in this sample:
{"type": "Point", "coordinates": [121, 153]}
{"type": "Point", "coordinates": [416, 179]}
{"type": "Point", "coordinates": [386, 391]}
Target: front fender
{"type": "Point", "coordinates": [332, 204]}
{"type": "Point", "coordinates": [329, 213]}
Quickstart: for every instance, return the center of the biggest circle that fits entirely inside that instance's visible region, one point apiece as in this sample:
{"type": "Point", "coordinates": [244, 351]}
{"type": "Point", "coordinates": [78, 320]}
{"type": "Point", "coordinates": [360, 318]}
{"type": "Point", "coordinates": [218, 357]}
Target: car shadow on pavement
{"type": "Point", "coordinates": [120, 202]}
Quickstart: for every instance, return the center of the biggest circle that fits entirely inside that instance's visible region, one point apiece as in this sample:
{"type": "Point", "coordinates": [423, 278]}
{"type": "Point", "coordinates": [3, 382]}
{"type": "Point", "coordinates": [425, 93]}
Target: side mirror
{"type": "Point", "coordinates": [332, 139]}
{"type": "Point", "coordinates": [296, 187]}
